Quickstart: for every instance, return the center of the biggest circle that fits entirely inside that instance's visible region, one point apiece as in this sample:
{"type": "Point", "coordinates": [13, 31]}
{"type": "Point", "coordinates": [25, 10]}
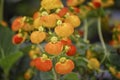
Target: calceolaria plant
{"type": "Point", "coordinates": [59, 43]}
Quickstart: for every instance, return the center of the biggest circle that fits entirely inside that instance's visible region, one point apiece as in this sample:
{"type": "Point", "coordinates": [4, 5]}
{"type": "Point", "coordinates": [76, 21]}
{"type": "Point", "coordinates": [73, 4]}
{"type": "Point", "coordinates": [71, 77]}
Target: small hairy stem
{"type": "Point", "coordinates": [41, 48]}
{"type": "Point", "coordinates": [55, 74]}
{"type": "Point", "coordinates": [102, 40]}
{"type": "Point", "coordinates": [85, 30]}
{"type": "Point", "coordinates": [1, 9]}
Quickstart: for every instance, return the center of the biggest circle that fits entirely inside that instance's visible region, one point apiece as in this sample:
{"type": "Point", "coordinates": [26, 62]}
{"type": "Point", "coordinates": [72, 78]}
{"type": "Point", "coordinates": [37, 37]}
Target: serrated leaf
{"type": "Point", "coordinates": [71, 76]}
{"type": "Point", "coordinates": [7, 62]}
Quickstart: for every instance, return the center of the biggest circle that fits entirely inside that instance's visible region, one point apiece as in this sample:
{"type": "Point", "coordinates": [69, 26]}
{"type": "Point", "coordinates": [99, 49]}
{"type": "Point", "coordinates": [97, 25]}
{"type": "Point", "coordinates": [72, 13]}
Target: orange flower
{"type": "Point", "coordinates": [36, 15]}
{"type": "Point", "coordinates": [117, 75]}
{"type": "Point", "coordinates": [64, 66]}
{"type": "Point", "coordinates": [27, 27]}
{"type": "Point", "coordinates": [17, 24]}
{"type": "Point", "coordinates": [54, 48]}
{"type": "Point", "coordinates": [28, 74]}
{"type": "Point", "coordinates": [63, 12]}
{"type": "Point", "coordinates": [43, 63]}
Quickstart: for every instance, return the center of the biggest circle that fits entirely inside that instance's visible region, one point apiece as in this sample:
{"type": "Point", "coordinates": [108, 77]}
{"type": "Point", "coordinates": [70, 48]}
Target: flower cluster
{"type": "Point", "coordinates": [50, 31]}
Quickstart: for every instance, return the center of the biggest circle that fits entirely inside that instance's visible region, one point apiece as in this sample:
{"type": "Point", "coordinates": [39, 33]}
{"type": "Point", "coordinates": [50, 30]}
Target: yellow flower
{"type": "Point", "coordinates": [107, 3]}
{"type": "Point", "coordinates": [74, 2]}
{"type": "Point", "coordinates": [89, 54]}
{"type": "Point", "coordinates": [51, 4]}
{"type": "Point", "coordinates": [93, 64]}
{"type": "Point", "coordinates": [112, 70]}
{"type": "Point", "coordinates": [74, 20]}
{"type": "Point", "coordinates": [37, 22]}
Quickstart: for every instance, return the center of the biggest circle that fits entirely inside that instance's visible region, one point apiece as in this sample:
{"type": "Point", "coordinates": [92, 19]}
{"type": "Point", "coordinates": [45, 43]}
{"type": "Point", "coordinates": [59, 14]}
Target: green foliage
{"type": "Point", "coordinates": [71, 76]}
{"type": "Point", "coordinates": [9, 53]}
{"type": "Point", "coordinates": [115, 60]}
{"type": "Point", "coordinates": [7, 62]}
{"type": "Point", "coordinates": [46, 75]}
{"type": "Point", "coordinates": [6, 46]}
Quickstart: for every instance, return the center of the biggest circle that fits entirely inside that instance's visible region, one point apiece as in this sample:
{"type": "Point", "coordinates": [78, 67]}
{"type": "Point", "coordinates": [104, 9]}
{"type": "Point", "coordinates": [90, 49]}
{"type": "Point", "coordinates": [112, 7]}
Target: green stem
{"type": "Point", "coordinates": [2, 53]}
{"type": "Point", "coordinates": [101, 39]}
{"type": "Point", "coordinates": [85, 30]}
{"type": "Point", "coordinates": [1, 9]}
{"type": "Point", "coordinates": [55, 74]}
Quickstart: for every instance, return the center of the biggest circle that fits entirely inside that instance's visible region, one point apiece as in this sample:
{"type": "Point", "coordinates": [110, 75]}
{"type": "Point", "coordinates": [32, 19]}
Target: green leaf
{"type": "Point", "coordinates": [7, 62]}
{"type": "Point", "coordinates": [46, 75]}
{"type": "Point", "coordinates": [6, 46]}
{"type": "Point", "coordinates": [71, 76]}
{"type": "Point", "coordinates": [115, 60]}
{"type": "Point", "coordinates": [26, 48]}
{"type": "Point", "coordinates": [80, 61]}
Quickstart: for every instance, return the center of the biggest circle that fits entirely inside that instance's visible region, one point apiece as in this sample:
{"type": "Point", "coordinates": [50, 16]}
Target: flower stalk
{"type": "Point", "coordinates": [102, 40]}
{"type": "Point", "coordinates": [85, 30]}
{"type": "Point", "coordinates": [55, 74]}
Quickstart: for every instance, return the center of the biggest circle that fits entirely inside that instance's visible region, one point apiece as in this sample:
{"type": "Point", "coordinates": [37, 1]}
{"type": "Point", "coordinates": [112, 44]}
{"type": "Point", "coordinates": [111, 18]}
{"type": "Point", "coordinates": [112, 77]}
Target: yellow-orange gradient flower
{"type": "Point", "coordinates": [74, 2]}
{"type": "Point", "coordinates": [37, 22]}
{"type": "Point", "coordinates": [64, 30]}
{"type": "Point", "coordinates": [50, 21]}
{"type": "Point", "coordinates": [51, 4]}
{"type": "Point", "coordinates": [36, 37]}
{"type": "Point", "coordinates": [74, 20]}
